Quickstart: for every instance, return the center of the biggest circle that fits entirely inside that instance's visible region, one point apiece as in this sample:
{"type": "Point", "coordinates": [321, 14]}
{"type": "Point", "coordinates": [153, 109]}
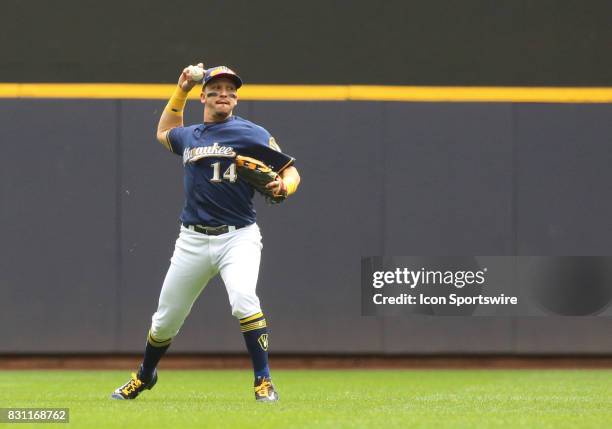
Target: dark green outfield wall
{"type": "Point", "coordinates": [439, 42]}
{"type": "Point", "coordinates": [89, 203]}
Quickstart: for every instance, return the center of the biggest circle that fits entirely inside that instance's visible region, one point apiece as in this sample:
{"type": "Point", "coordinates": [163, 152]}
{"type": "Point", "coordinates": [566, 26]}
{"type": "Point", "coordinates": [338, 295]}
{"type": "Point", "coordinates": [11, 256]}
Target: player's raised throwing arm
{"type": "Point", "coordinates": [172, 116]}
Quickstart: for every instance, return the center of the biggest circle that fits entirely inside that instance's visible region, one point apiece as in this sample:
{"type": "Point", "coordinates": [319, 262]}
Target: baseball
{"type": "Point", "coordinates": [196, 73]}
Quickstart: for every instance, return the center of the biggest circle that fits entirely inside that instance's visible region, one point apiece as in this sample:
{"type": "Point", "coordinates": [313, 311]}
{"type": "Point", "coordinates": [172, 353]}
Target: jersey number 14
{"type": "Point", "coordinates": [229, 174]}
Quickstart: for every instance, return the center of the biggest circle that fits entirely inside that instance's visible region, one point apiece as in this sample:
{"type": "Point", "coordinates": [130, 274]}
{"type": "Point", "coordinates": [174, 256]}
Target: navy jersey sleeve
{"type": "Point", "coordinates": [176, 138]}
{"type": "Point", "coordinates": [278, 160]}
{"type": "Point", "coordinates": [272, 143]}
{"type": "Point", "coordinates": [260, 136]}
{"type": "Point", "coordinates": [266, 150]}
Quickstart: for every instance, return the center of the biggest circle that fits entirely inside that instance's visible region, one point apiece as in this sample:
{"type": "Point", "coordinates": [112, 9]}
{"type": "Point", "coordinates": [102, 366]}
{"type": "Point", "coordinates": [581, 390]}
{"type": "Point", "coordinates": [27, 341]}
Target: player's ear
{"type": "Point", "coordinates": [202, 97]}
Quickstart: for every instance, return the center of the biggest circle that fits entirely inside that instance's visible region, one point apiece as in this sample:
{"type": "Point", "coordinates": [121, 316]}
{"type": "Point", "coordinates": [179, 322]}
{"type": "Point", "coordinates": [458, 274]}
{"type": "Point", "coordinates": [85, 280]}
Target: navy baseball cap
{"type": "Point", "coordinates": [222, 71]}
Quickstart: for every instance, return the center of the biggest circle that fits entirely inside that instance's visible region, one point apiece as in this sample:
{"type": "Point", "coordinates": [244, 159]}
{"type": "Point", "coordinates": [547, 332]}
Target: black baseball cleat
{"type": "Point", "coordinates": [132, 388]}
{"type": "Point", "coordinates": [264, 390]}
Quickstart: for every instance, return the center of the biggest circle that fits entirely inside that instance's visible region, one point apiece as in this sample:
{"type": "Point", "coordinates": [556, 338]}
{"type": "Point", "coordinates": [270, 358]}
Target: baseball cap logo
{"type": "Point", "coordinates": [221, 69]}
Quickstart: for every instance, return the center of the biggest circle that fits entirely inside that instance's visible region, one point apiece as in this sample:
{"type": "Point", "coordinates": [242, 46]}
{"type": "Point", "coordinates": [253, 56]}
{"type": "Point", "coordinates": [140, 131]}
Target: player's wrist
{"type": "Point", "coordinates": [177, 101]}
{"type": "Point", "coordinates": [290, 185]}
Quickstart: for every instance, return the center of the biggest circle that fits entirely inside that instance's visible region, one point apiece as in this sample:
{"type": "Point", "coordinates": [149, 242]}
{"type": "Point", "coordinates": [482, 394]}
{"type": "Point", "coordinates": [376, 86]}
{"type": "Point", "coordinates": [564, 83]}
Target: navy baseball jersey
{"type": "Point", "coordinates": [214, 194]}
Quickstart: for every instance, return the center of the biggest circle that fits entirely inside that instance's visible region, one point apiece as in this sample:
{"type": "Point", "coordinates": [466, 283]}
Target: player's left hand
{"type": "Point", "coordinates": [278, 187]}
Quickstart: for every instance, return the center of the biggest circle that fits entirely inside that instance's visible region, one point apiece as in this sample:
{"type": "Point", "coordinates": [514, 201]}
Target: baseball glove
{"type": "Point", "coordinates": [258, 175]}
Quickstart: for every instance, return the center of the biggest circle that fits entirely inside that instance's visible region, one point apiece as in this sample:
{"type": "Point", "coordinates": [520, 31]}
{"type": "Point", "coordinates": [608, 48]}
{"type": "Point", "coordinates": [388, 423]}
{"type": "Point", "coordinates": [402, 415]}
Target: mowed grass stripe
{"type": "Point", "coordinates": [325, 399]}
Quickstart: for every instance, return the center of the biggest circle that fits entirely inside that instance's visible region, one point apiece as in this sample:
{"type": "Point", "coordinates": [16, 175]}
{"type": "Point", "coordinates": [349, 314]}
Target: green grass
{"type": "Point", "coordinates": [324, 399]}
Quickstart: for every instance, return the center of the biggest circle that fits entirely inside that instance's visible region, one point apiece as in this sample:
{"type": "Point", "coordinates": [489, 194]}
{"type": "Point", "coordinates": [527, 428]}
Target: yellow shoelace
{"type": "Point", "coordinates": [132, 385]}
{"type": "Point", "coordinates": [262, 389]}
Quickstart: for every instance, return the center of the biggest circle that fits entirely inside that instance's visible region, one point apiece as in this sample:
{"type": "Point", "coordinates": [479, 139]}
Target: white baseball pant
{"type": "Point", "coordinates": [198, 258]}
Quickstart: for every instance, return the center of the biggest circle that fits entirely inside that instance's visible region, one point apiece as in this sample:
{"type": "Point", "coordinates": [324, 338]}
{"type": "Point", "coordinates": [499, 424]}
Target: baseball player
{"type": "Point", "coordinates": [218, 233]}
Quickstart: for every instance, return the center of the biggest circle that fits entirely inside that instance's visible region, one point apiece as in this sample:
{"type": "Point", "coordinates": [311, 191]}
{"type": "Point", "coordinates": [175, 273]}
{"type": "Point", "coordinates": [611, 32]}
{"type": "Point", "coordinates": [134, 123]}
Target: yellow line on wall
{"type": "Point", "coordinates": [318, 92]}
